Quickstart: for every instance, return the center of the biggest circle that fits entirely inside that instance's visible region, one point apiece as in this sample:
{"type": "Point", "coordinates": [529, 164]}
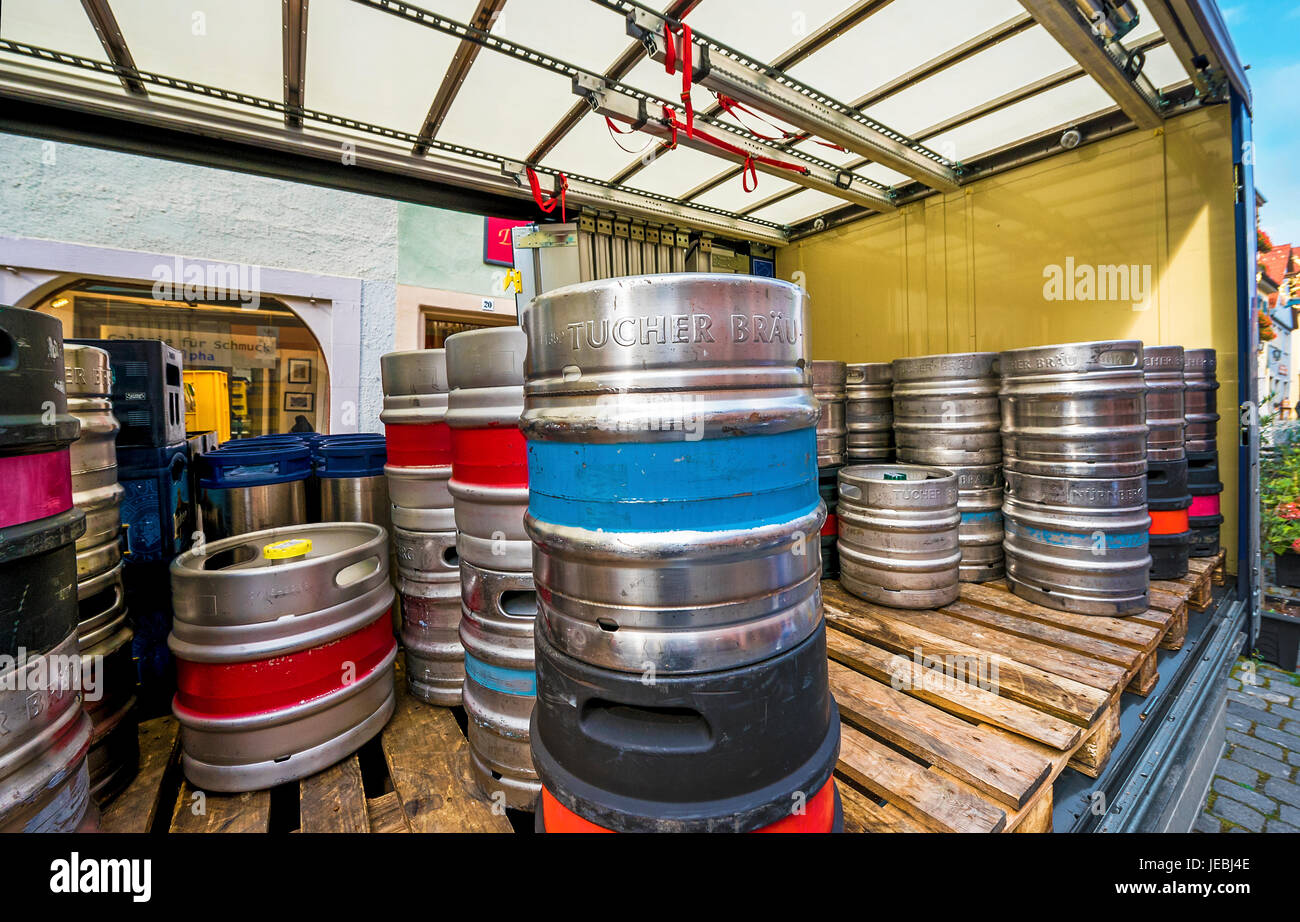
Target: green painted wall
{"type": "Point", "coordinates": [442, 249]}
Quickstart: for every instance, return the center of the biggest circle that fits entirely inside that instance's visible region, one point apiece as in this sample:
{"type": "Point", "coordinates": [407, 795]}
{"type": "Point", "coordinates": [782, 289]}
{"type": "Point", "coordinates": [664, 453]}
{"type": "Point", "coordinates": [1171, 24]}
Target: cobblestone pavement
{"type": "Point", "coordinates": [1256, 786]}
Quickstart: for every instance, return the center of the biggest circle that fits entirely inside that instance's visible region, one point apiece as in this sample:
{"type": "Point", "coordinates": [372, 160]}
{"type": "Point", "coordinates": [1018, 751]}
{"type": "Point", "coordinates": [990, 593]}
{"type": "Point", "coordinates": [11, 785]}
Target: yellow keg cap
{"type": "Point", "coordinates": [287, 550]}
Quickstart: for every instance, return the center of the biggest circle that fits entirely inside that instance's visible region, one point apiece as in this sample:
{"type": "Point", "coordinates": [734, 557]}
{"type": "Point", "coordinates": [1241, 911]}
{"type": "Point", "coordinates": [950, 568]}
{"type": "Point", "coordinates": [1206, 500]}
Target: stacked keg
{"type": "Point", "coordinates": [1074, 457]}
{"type": "Point", "coordinates": [1168, 499]}
{"type": "Point", "coordinates": [869, 412]}
{"type": "Point", "coordinates": [353, 488]}
{"type": "Point", "coordinates": [946, 414]}
{"type": "Point", "coordinates": [103, 635]}
{"type": "Point", "coordinates": [829, 382]}
{"type": "Point", "coordinates": [284, 652]}
{"type": "Point", "coordinates": [424, 523]}
{"type": "Point", "coordinates": [252, 485]}
{"type": "Point", "coordinates": [900, 534]}
{"type": "Point", "coordinates": [489, 489]}
{"type": "Point", "coordinates": [1202, 413]}
{"type": "Point", "coordinates": [681, 653]}
{"type": "Point", "coordinates": [44, 783]}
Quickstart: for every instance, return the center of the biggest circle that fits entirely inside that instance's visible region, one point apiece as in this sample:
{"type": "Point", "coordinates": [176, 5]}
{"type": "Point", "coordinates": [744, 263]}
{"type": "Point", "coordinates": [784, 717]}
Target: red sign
{"type": "Point", "coordinates": [496, 240]}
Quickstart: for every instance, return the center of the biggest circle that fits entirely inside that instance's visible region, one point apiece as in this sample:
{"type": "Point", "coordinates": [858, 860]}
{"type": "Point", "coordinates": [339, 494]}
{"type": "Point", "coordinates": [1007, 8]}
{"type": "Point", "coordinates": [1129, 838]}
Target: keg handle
{"type": "Point", "coordinates": [646, 729]}
{"type": "Point", "coordinates": [355, 572]}
{"type": "Point", "coordinates": [517, 603]}
{"type": "Point", "coordinates": [849, 491]}
{"type": "Point", "coordinates": [1123, 358]}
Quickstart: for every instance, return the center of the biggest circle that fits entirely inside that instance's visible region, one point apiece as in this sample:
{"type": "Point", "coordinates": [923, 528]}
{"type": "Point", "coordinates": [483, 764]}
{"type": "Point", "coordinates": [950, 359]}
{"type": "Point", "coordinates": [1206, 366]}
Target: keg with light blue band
{"type": "Point", "coordinates": [672, 457]}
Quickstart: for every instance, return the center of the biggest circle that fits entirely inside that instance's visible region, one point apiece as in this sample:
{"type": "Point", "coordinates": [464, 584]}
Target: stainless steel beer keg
{"type": "Point", "coordinates": [496, 630]}
{"type": "Point", "coordinates": [1075, 410]}
{"type": "Point", "coordinates": [95, 490]}
{"type": "Point", "coordinates": [428, 580]}
{"type": "Point", "coordinates": [946, 409]}
{"type": "Point", "coordinates": [869, 412]}
{"type": "Point", "coordinates": [828, 387]}
{"type": "Point", "coordinates": [1163, 373]}
{"type": "Point", "coordinates": [899, 534]}
{"type": "Point", "coordinates": [489, 482]}
{"type": "Point", "coordinates": [284, 652]}
{"type": "Point", "coordinates": [1202, 410]}
{"type": "Point", "coordinates": [672, 454]}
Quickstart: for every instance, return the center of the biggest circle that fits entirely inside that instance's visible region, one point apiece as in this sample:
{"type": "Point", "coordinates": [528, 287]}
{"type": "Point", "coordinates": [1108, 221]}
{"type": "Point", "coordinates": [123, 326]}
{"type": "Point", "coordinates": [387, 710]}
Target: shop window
{"type": "Point", "coordinates": [275, 373]}
{"type": "Point", "coordinates": [438, 325]}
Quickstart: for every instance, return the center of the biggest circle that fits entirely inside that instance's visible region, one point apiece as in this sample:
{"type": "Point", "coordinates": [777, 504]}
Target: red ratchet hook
{"type": "Point", "coordinates": [548, 202]}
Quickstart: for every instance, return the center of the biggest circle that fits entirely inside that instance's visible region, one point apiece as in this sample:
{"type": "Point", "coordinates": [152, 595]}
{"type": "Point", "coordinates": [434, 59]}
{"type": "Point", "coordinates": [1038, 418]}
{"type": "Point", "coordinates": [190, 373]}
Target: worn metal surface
{"type": "Point", "coordinates": [1164, 376]}
{"type": "Point", "coordinates": [496, 630]}
{"type": "Point", "coordinates": [428, 581]}
{"type": "Point", "coordinates": [829, 379]}
{"type": "Point", "coordinates": [1202, 410]}
{"type": "Point", "coordinates": [946, 409]}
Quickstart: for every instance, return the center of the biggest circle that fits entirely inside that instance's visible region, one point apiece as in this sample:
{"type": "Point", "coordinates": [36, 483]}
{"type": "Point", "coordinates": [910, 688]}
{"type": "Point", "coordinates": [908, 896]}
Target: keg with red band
{"type": "Point", "coordinates": [36, 429]}
{"type": "Point", "coordinates": [418, 439]}
{"type": "Point", "coordinates": [284, 649]}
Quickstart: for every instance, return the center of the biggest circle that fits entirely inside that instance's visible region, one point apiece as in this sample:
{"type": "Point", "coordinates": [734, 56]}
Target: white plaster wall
{"type": "Point", "coordinates": [84, 195]}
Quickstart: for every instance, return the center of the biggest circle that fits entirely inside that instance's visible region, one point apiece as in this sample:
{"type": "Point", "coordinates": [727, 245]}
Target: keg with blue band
{"type": "Point", "coordinates": [675, 517]}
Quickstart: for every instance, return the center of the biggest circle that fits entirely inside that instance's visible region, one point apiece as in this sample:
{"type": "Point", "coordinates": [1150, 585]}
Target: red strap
{"type": "Point", "coordinates": [731, 107]}
{"type": "Point", "coordinates": [670, 65]}
{"type": "Point", "coordinates": [748, 159]}
{"type": "Point", "coordinates": [548, 203]}
{"type": "Point", "coordinates": [672, 123]}
{"type": "Point", "coordinates": [615, 130]}
{"type": "Point", "coordinates": [747, 170]}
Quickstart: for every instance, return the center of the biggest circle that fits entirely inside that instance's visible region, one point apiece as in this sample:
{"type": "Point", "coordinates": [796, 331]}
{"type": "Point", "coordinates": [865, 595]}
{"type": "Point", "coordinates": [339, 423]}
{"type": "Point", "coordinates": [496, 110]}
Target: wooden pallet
{"type": "Point", "coordinates": [418, 781]}
{"type": "Point", "coordinates": [924, 750]}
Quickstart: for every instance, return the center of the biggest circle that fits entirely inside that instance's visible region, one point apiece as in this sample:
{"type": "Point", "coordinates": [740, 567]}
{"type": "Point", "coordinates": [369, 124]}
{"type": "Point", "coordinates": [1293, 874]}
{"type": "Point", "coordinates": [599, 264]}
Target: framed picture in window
{"type": "Point", "coordinates": [300, 371]}
{"type": "Point", "coordinates": [299, 403]}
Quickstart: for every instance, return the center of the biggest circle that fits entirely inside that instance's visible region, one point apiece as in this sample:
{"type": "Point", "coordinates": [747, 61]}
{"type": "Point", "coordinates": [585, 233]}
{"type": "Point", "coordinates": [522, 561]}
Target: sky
{"type": "Point", "coordinates": [1267, 36]}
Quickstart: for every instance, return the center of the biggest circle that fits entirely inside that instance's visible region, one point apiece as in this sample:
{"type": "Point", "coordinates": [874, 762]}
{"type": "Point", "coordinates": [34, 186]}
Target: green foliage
{"type": "Point", "coordinates": [1279, 489]}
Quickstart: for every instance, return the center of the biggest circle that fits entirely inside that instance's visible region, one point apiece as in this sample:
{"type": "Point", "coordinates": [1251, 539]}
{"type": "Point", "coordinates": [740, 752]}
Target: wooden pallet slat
{"type": "Point", "coordinates": [428, 760]}
{"type": "Point", "coordinates": [1028, 684]}
{"type": "Point", "coordinates": [385, 812]}
{"type": "Point", "coordinates": [964, 750]}
{"type": "Point", "coordinates": [1125, 631]}
{"type": "Point", "coordinates": [934, 802]}
{"type": "Point", "coordinates": [334, 800]}
{"type": "Point", "coordinates": [1067, 639]}
{"type": "Point", "coordinates": [137, 808]}
{"type": "Point", "coordinates": [955, 697]}
{"type": "Point", "coordinates": [862, 814]}
{"type": "Point", "coordinates": [206, 811]}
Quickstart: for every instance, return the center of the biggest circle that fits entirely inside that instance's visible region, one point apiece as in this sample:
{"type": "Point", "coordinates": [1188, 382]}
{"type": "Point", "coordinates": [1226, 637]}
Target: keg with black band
{"type": "Point", "coordinates": [44, 783]}
{"type": "Point", "coordinates": [674, 513]}
{"type": "Point", "coordinates": [1168, 499]}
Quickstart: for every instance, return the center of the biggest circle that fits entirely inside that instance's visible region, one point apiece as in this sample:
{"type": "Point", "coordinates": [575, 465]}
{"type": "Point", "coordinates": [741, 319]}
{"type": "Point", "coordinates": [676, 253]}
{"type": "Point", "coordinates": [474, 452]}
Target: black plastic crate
{"type": "Point", "coordinates": [157, 507]}
{"type": "Point", "coordinates": [148, 399]}
{"type": "Point", "coordinates": [1279, 639]}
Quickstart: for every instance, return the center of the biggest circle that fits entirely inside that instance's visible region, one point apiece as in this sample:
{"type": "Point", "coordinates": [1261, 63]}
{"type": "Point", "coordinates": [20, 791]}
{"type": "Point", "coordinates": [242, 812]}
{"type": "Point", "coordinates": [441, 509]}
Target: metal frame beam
{"type": "Point", "coordinates": [110, 36]}
{"type": "Point", "coordinates": [1064, 22]}
{"type": "Point", "coordinates": [771, 91]}
{"type": "Point", "coordinates": [1198, 37]}
{"type": "Point", "coordinates": [802, 50]}
{"type": "Point", "coordinates": [333, 141]}
{"type": "Point", "coordinates": [621, 67]}
{"type": "Point", "coordinates": [816, 175]}
{"type": "Point", "coordinates": [293, 17]}
{"type": "Point", "coordinates": [935, 65]}
{"type": "Point", "coordinates": [484, 18]}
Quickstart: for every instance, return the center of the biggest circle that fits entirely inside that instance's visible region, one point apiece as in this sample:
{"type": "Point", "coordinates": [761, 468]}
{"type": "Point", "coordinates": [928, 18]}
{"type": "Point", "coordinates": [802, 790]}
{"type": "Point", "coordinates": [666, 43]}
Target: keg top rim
{"type": "Point", "coordinates": [875, 473]}
{"type": "Point", "coordinates": [1112, 343]}
{"type": "Point", "coordinates": [189, 564]}
{"type": "Point", "coordinates": [629, 281]}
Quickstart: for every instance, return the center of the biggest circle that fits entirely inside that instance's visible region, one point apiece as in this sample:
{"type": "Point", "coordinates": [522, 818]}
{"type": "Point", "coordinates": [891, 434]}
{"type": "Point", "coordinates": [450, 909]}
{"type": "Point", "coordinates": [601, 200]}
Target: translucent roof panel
{"type": "Point", "coordinates": [505, 105]}
{"type": "Point", "coordinates": [1060, 106]}
{"type": "Point", "coordinates": [1007, 66]}
{"type": "Point", "coordinates": [801, 205]}
{"type": "Point", "coordinates": [61, 25]}
{"type": "Point", "coordinates": [548, 25]}
{"type": "Point", "coordinates": [588, 148]}
{"type": "Point", "coordinates": [403, 63]}
{"type": "Point", "coordinates": [678, 172]}
{"type": "Point", "coordinates": [896, 39]}
{"type": "Point", "coordinates": [235, 44]}
{"type": "Point", "coordinates": [731, 195]}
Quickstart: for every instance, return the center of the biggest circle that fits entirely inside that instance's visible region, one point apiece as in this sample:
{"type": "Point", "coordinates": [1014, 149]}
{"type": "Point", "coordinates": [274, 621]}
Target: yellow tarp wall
{"type": "Point", "coordinates": [967, 271]}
